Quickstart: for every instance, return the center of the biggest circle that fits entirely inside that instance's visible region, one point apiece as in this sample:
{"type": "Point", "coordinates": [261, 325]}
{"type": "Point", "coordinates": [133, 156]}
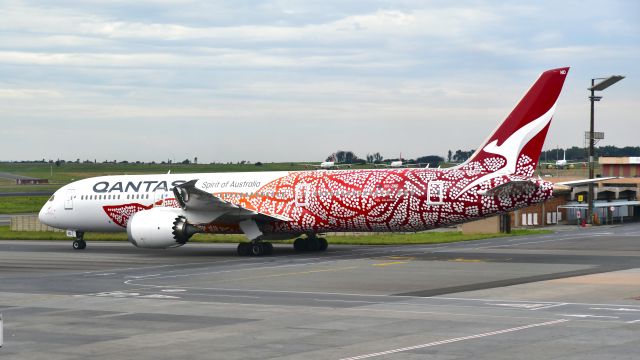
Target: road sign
{"type": "Point", "coordinates": [580, 198]}
{"type": "Point", "coordinates": [578, 214]}
{"type": "Point", "coordinates": [612, 208]}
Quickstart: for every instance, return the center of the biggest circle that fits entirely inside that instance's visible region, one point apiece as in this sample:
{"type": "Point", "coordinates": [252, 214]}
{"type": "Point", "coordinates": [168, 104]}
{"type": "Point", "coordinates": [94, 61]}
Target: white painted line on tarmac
{"type": "Point", "coordinates": [584, 316]}
{"type": "Point", "coordinates": [453, 340]}
{"type": "Point", "coordinates": [528, 301]}
{"type": "Point", "coordinates": [633, 321]}
{"type": "Point", "coordinates": [526, 306]}
{"type": "Point", "coordinates": [550, 306]}
{"type": "Point", "coordinates": [348, 301]}
{"type": "Point", "coordinates": [614, 309]}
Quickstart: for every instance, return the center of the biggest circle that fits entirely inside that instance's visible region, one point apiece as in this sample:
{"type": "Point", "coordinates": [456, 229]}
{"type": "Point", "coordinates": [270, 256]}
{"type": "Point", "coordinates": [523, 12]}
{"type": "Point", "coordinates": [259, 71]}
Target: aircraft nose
{"type": "Point", "coordinates": [46, 214]}
{"type": "Point", "coordinates": [42, 215]}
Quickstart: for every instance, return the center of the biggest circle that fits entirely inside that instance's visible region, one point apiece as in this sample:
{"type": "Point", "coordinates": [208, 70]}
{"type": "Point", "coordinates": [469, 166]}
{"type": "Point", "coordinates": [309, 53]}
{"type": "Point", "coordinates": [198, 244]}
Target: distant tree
{"type": "Point", "coordinates": [349, 157]}
{"type": "Point", "coordinates": [369, 158]}
{"type": "Point", "coordinates": [195, 160]}
{"type": "Point", "coordinates": [461, 155]}
{"type": "Point", "coordinates": [377, 158]}
{"type": "Point", "coordinates": [258, 163]}
{"type": "Point", "coordinates": [432, 160]}
{"type": "Point", "coordinates": [344, 157]}
{"type": "Point", "coordinates": [449, 154]}
{"type": "Point", "coordinates": [58, 163]}
{"type": "Point", "coordinates": [186, 161]}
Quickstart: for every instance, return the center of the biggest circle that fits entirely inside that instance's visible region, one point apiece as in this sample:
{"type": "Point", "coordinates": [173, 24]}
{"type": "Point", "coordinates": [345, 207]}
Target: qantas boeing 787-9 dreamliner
{"type": "Point", "coordinates": [165, 210]}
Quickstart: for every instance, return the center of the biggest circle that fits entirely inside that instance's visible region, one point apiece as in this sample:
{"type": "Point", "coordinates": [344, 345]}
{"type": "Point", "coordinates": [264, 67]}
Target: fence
{"type": "Point", "coordinates": [29, 223]}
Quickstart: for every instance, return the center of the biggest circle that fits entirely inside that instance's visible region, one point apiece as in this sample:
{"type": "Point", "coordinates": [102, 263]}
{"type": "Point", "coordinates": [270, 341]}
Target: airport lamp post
{"type": "Point", "coordinates": [605, 83]}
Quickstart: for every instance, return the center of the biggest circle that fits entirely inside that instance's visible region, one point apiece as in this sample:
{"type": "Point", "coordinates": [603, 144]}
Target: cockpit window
{"type": "Point", "coordinates": [51, 198]}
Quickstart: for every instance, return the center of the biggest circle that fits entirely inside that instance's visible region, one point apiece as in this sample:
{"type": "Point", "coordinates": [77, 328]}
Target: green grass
{"type": "Point", "coordinates": [377, 239]}
{"type": "Point", "coordinates": [68, 172]}
{"type": "Point", "coordinates": [21, 204]}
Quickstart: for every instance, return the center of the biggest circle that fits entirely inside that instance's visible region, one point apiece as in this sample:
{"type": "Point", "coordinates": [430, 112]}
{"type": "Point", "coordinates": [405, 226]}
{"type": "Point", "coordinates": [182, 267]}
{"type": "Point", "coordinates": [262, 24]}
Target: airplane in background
{"type": "Point", "coordinates": [166, 210]}
{"type": "Point", "coordinates": [563, 163]}
{"type": "Point", "coordinates": [400, 164]}
{"type": "Point", "coordinates": [328, 165]}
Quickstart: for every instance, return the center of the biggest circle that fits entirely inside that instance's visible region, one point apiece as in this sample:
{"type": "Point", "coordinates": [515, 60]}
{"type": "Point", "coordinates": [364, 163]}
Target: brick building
{"type": "Point", "coordinates": [620, 166]}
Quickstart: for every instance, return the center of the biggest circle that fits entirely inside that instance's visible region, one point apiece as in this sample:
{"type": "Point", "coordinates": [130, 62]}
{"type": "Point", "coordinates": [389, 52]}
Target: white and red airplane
{"type": "Point", "coordinates": [327, 165]}
{"type": "Point", "coordinates": [165, 210]}
{"type": "Point", "coordinates": [562, 163]}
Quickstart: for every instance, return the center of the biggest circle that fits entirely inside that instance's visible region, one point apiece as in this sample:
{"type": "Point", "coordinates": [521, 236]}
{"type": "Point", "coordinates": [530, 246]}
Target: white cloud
{"type": "Point", "coordinates": [342, 74]}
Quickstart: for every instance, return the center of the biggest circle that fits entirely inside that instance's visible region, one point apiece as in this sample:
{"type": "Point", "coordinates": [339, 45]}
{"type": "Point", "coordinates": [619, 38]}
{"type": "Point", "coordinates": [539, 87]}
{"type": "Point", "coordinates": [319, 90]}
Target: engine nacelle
{"type": "Point", "coordinates": [159, 228]}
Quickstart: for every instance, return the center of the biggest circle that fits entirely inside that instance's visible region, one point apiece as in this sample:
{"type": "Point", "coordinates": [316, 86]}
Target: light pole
{"type": "Point", "coordinates": [605, 83]}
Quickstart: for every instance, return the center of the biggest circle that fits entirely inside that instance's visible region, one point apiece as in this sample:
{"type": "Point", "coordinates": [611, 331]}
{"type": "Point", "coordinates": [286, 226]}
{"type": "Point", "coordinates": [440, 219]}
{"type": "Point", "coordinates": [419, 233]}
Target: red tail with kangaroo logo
{"type": "Point", "coordinates": [519, 138]}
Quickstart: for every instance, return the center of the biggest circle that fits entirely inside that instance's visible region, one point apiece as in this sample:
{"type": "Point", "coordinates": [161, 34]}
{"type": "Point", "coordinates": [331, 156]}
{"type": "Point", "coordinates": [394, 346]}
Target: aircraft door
{"type": "Point", "coordinates": [301, 195]}
{"type": "Point", "coordinates": [435, 192]}
{"type": "Point", "coordinates": [68, 200]}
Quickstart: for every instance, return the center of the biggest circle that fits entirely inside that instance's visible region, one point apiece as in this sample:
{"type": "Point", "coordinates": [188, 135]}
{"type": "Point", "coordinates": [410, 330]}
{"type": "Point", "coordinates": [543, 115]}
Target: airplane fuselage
{"type": "Point", "coordinates": [315, 201]}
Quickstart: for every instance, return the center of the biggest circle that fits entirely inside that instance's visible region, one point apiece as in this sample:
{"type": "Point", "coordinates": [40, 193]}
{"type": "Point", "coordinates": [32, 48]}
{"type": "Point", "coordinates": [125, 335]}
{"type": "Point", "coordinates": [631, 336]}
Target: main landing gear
{"type": "Point", "coordinates": [259, 248]}
{"type": "Point", "coordinates": [79, 243]}
{"type": "Point", "coordinates": [310, 244]}
{"type": "Point", "coordinates": [255, 248]}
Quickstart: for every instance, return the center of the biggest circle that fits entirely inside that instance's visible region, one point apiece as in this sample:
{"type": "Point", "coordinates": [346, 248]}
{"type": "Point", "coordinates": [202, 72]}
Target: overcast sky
{"type": "Point", "coordinates": [297, 80]}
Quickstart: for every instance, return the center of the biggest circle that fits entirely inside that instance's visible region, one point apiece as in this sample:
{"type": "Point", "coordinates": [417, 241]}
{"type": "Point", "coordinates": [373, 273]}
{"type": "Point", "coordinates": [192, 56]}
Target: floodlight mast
{"type": "Point", "coordinates": [605, 83]}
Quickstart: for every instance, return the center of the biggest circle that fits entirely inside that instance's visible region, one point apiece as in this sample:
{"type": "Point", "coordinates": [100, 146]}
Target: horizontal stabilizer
{"type": "Point", "coordinates": [509, 188]}
{"type": "Point", "coordinates": [585, 181]}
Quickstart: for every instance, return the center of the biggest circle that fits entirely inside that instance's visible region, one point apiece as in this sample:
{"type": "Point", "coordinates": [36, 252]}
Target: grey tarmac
{"type": "Point", "coordinates": [569, 295]}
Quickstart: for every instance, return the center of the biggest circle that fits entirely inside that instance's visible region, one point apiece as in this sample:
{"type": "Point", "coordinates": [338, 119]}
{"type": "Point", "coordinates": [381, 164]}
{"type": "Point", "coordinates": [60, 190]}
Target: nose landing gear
{"type": "Point", "coordinates": [79, 243]}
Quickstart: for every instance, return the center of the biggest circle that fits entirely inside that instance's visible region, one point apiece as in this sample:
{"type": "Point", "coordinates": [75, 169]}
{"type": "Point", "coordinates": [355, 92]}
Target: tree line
{"type": "Point", "coordinates": [349, 157]}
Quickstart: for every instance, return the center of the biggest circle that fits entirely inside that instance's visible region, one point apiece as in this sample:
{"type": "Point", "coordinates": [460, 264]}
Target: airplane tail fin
{"type": "Point", "coordinates": [519, 138]}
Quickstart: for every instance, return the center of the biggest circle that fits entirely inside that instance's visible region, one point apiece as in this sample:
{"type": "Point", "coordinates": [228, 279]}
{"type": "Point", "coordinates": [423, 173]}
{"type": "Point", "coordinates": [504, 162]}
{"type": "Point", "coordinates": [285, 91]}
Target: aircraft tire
{"type": "Point", "coordinates": [299, 245]}
{"type": "Point", "coordinates": [323, 244]}
{"type": "Point", "coordinates": [268, 248]}
{"type": "Point", "coordinates": [79, 245]}
{"type": "Point", "coordinates": [313, 244]}
{"type": "Point", "coordinates": [256, 249]}
{"type": "Point", "coordinates": [243, 249]}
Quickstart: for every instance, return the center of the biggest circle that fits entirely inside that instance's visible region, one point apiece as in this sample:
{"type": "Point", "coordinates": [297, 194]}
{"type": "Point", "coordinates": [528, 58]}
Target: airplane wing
{"type": "Point", "coordinates": [191, 197]}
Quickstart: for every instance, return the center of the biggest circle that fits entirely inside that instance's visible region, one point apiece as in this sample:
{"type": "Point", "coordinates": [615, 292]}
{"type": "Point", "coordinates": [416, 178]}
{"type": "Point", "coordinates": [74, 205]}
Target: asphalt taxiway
{"type": "Point", "coordinates": [569, 295]}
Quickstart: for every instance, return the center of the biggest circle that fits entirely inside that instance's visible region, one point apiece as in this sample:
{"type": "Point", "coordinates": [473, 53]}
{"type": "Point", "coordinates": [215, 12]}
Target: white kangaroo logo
{"type": "Point", "coordinates": [511, 148]}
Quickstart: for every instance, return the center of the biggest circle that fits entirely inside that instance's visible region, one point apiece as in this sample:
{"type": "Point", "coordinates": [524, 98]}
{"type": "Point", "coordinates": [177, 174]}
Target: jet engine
{"type": "Point", "coordinates": [159, 228]}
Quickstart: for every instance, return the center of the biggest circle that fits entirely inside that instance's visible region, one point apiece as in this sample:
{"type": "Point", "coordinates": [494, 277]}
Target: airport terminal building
{"type": "Point", "coordinates": [616, 200]}
{"type": "Point", "coordinates": [620, 166]}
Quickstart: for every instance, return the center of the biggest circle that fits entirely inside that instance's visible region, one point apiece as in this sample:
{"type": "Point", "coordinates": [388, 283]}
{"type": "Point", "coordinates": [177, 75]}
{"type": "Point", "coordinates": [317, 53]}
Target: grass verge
{"type": "Point", "coordinates": [376, 239]}
{"type": "Point", "coordinates": [21, 204]}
